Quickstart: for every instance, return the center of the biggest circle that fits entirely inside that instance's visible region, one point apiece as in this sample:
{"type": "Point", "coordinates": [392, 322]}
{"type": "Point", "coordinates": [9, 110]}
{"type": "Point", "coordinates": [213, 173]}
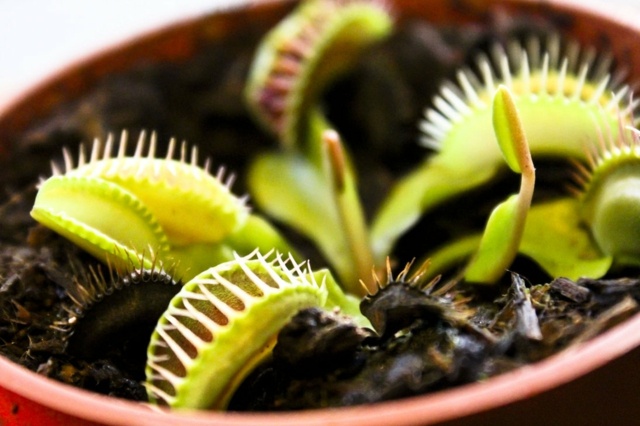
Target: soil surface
{"type": "Point", "coordinates": [427, 337]}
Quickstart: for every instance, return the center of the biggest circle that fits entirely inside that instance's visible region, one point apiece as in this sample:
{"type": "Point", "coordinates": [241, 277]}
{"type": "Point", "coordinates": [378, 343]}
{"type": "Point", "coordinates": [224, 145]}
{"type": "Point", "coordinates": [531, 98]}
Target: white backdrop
{"type": "Point", "coordinates": [38, 37]}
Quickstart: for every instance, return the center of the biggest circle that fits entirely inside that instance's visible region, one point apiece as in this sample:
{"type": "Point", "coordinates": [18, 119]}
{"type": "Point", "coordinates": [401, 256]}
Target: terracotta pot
{"type": "Point", "coordinates": [595, 383]}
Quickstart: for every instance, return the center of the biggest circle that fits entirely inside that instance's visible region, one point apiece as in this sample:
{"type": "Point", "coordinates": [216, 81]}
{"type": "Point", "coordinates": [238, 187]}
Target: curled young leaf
{"type": "Point", "coordinates": [504, 229]}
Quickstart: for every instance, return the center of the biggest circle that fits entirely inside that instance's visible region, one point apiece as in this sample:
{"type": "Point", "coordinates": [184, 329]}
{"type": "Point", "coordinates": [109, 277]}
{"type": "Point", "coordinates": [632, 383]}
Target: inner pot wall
{"type": "Point", "coordinates": [595, 383]}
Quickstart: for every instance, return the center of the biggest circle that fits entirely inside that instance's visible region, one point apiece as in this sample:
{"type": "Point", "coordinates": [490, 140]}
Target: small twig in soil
{"type": "Point", "coordinates": [527, 320]}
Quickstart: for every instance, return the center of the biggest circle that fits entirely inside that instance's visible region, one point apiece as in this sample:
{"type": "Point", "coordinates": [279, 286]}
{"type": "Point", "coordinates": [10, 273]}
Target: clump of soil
{"type": "Point", "coordinates": [426, 339]}
{"type": "Point", "coordinates": [446, 342]}
{"type": "Point", "coordinates": [37, 315]}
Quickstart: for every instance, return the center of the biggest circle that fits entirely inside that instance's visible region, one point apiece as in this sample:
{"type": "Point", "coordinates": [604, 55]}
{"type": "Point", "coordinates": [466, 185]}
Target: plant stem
{"type": "Point", "coordinates": [351, 215]}
{"type": "Point", "coordinates": [503, 233]}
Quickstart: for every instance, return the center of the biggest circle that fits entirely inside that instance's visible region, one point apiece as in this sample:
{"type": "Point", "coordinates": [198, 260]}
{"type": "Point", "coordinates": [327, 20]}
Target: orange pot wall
{"type": "Point", "coordinates": [595, 383]}
{"type": "Point", "coordinates": [16, 410]}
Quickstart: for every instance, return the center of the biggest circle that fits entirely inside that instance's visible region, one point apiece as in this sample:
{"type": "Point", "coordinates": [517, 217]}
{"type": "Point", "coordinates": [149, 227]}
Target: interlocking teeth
{"type": "Point", "coordinates": [578, 75]}
{"type": "Point", "coordinates": [147, 166]}
{"type": "Point", "coordinates": [223, 322]}
{"type": "Point", "coordinates": [192, 205]}
{"type": "Point", "coordinates": [118, 307]}
{"type": "Point", "coordinates": [608, 189]}
{"type": "Point", "coordinates": [606, 156]}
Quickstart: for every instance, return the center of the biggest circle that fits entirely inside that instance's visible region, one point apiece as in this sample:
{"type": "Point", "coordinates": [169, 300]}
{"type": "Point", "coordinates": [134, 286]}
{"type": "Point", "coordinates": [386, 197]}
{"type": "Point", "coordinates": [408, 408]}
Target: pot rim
{"type": "Point", "coordinates": [431, 408]}
{"type": "Point", "coordinates": [426, 409]}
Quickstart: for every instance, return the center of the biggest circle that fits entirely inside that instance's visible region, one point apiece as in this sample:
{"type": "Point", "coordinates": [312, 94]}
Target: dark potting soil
{"type": "Point", "coordinates": [426, 340]}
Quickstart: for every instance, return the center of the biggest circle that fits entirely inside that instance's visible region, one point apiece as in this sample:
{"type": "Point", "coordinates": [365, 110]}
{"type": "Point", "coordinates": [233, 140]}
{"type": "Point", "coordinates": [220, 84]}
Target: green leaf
{"type": "Point", "coordinates": [496, 251]}
{"type": "Point", "coordinates": [431, 184]}
{"type": "Point", "coordinates": [353, 227]}
{"type": "Point", "coordinates": [557, 240]}
{"type": "Point", "coordinates": [258, 233]}
{"type": "Point", "coordinates": [452, 254]}
{"type": "Point", "coordinates": [292, 190]}
{"type": "Point", "coordinates": [554, 237]}
{"type": "Point", "coordinates": [185, 262]}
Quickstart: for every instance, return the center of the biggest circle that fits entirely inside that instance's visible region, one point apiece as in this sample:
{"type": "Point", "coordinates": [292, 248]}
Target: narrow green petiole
{"type": "Point", "coordinates": [505, 227]}
{"type": "Point", "coordinates": [351, 215]}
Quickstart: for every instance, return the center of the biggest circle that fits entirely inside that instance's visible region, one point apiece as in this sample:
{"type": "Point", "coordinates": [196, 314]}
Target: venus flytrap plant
{"type": "Point", "coordinates": [458, 127]}
{"type": "Point", "coordinates": [585, 235]}
{"type": "Point", "coordinates": [228, 315]}
{"type": "Point", "coordinates": [224, 322]}
{"type": "Point", "coordinates": [116, 207]}
{"type": "Point", "coordinates": [295, 62]}
{"type": "Point", "coordinates": [152, 215]}
{"type": "Point", "coordinates": [318, 42]}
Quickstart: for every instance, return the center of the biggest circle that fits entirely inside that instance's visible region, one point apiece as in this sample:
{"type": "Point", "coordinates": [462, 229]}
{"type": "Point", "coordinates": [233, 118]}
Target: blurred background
{"type": "Point", "coordinates": [39, 37]}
